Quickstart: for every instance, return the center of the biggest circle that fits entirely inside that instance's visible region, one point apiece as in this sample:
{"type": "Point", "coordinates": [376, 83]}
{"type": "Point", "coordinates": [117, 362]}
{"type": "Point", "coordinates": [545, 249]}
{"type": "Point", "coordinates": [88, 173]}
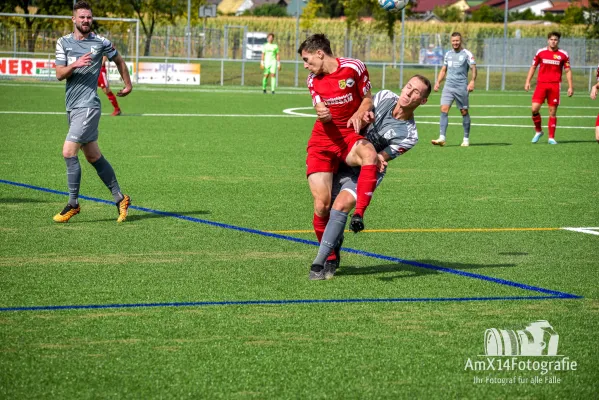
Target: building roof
{"type": "Point", "coordinates": [501, 4]}
{"type": "Point", "coordinates": [562, 6]}
{"type": "Point", "coordinates": [423, 6]}
{"type": "Point", "coordinates": [258, 3]}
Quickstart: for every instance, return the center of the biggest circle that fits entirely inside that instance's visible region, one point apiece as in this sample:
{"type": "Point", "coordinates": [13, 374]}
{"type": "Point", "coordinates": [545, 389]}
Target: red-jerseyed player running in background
{"type": "Point", "coordinates": [340, 89]}
{"type": "Point", "coordinates": [103, 83]}
{"type": "Point", "coordinates": [552, 61]}
{"type": "Point", "coordinates": [594, 91]}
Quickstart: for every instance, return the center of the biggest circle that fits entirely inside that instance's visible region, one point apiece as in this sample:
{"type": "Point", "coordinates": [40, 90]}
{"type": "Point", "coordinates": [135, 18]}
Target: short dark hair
{"type": "Point", "coordinates": [82, 5]}
{"type": "Point", "coordinates": [270, 34]}
{"type": "Point", "coordinates": [318, 41]}
{"type": "Point", "coordinates": [456, 34]}
{"type": "Point", "coordinates": [554, 33]}
{"type": "Point", "coordinates": [424, 80]}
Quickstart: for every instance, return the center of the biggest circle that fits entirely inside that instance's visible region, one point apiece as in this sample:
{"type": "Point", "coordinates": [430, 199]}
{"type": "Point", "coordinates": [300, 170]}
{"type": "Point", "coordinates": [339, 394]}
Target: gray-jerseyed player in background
{"type": "Point", "coordinates": [78, 60]}
{"type": "Point", "coordinates": [392, 131]}
{"type": "Point", "coordinates": [456, 64]}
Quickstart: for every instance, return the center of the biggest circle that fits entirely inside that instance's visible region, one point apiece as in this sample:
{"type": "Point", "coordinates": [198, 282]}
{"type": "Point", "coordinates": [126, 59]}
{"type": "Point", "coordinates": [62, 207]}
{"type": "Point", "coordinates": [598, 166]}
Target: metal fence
{"type": "Point", "coordinates": [220, 53]}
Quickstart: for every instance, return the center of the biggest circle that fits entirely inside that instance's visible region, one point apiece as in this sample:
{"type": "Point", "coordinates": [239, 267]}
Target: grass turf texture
{"type": "Point", "coordinates": [249, 172]}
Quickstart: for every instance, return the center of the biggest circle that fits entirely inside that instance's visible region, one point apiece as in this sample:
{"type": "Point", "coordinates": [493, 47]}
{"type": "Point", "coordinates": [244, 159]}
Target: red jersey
{"type": "Point", "coordinates": [597, 73]}
{"type": "Point", "coordinates": [342, 92]}
{"type": "Point", "coordinates": [552, 64]}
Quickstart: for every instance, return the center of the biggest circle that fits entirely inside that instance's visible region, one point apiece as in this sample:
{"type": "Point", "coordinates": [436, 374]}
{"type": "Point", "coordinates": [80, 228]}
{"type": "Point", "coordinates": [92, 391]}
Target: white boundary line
{"type": "Point", "coordinates": [589, 230]}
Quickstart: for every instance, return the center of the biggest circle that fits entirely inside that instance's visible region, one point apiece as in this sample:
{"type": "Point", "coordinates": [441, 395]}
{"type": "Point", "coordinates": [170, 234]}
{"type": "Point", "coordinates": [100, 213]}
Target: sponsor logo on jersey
{"type": "Point", "coordinates": [342, 84]}
{"type": "Point", "coordinates": [350, 82]}
{"type": "Point", "coordinates": [461, 58]}
{"type": "Point", "coordinates": [94, 50]}
{"type": "Point", "coordinates": [346, 98]}
{"type": "Point", "coordinates": [552, 62]}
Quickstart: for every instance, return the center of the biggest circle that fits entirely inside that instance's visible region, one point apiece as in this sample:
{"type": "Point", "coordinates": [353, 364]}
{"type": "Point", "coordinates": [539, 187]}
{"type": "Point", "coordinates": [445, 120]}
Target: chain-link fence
{"type": "Point", "coordinates": [224, 61]}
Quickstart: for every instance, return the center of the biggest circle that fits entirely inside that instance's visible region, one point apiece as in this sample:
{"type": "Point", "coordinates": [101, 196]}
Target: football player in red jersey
{"type": "Point", "coordinates": [104, 85]}
{"type": "Point", "coordinates": [340, 89]}
{"type": "Point", "coordinates": [552, 61]}
{"type": "Point", "coordinates": [594, 91]}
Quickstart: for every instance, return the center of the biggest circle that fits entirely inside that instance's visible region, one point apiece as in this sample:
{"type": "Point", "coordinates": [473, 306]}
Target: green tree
{"type": "Point", "coordinates": [331, 8]}
{"type": "Point", "coordinates": [488, 14]}
{"type": "Point", "coordinates": [34, 26]}
{"type": "Point", "coordinates": [449, 14]}
{"type": "Point", "coordinates": [593, 19]}
{"type": "Point", "coordinates": [268, 10]}
{"type": "Point", "coordinates": [309, 14]}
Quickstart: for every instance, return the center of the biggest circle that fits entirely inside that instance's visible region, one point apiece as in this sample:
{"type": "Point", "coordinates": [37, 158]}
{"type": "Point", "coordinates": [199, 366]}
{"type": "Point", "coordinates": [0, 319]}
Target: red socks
{"type": "Point", "coordinates": [551, 125]}
{"type": "Point", "coordinates": [366, 186]}
{"type": "Point", "coordinates": [112, 99]}
{"type": "Point", "coordinates": [536, 119]}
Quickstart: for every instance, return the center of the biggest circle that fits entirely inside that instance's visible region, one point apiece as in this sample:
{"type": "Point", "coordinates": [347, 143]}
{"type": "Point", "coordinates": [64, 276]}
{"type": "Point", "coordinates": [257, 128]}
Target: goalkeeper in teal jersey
{"type": "Point", "coordinates": [270, 62]}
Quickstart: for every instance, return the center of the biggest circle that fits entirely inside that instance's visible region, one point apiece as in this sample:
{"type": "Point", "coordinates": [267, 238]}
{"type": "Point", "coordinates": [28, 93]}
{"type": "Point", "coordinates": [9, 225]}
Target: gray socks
{"type": "Point", "coordinates": [73, 179]}
{"type": "Point", "coordinates": [443, 124]}
{"type": "Point", "coordinates": [106, 173]}
{"type": "Point", "coordinates": [466, 125]}
{"type": "Point", "coordinates": [330, 238]}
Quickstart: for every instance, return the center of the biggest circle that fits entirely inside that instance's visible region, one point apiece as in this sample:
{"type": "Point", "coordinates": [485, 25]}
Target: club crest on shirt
{"type": "Point", "coordinates": [94, 50]}
{"type": "Point", "coordinates": [349, 82]}
{"type": "Point", "coordinates": [557, 57]}
{"type": "Point", "coordinates": [342, 84]}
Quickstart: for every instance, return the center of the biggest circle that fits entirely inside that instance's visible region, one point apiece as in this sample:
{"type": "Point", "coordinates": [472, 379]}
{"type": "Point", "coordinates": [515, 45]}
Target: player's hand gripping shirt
{"type": "Point", "coordinates": [458, 64]}
{"type": "Point", "coordinates": [342, 92]}
{"type": "Point", "coordinates": [388, 134]}
{"type": "Point", "coordinates": [552, 64]}
{"type": "Point", "coordinates": [81, 87]}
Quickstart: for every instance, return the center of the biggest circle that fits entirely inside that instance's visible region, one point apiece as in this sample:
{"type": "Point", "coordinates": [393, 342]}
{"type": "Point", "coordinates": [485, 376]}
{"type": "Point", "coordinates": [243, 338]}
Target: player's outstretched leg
{"type": "Point", "coordinates": [123, 208]}
{"type": "Point", "coordinates": [73, 182]}
{"type": "Point", "coordinates": [536, 119]}
{"type": "Point", "coordinates": [330, 266]}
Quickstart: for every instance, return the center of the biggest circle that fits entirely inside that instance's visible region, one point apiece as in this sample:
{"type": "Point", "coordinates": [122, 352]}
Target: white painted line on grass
{"type": "Point", "coordinates": [590, 230]}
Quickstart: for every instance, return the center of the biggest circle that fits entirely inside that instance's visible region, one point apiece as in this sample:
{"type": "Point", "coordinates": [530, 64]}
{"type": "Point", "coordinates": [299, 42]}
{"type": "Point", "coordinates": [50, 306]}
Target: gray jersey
{"type": "Point", "coordinates": [81, 88]}
{"type": "Point", "coordinates": [388, 134]}
{"type": "Point", "coordinates": [458, 65]}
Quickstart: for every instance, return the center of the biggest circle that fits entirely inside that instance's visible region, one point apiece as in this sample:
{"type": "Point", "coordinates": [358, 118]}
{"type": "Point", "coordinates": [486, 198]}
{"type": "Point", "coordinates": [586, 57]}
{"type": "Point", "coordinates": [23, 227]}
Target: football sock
{"type": "Point", "coordinates": [551, 125]}
{"type": "Point", "coordinates": [366, 186]}
{"type": "Point", "coordinates": [331, 236]}
{"type": "Point", "coordinates": [536, 119]}
{"type": "Point", "coordinates": [443, 124]}
{"type": "Point", "coordinates": [273, 81]}
{"type": "Point", "coordinates": [73, 179]}
{"type": "Point", "coordinates": [597, 121]}
{"type": "Point", "coordinates": [264, 79]}
{"type": "Point", "coordinates": [320, 224]}
{"type": "Point", "coordinates": [113, 100]}
{"type": "Point", "coordinates": [466, 125]}
{"type": "Point", "coordinates": [106, 173]}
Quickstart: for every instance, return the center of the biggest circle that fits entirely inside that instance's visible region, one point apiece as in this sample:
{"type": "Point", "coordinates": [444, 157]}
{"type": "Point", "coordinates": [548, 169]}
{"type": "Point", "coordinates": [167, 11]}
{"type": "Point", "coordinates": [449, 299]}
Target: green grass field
{"type": "Point", "coordinates": [204, 293]}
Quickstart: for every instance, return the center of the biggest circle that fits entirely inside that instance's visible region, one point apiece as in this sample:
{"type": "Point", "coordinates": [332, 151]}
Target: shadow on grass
{"type": "Point", "coordinates": [147, 215]}
{"type": "Point", "coordinates": [480, 144]}
{"type": "Point", "coordinates": [409, 271]}
{"type": "Point", "coordinates": [576, 141]}
{"type": "Point", "coordinates": [15, 200]}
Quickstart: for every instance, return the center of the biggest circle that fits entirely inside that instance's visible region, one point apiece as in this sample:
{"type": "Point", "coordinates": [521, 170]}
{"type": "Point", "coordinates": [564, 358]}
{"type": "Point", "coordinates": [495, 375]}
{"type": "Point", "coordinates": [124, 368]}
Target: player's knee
{"type": "Point", "coordinates": [344, 205]}
{"type": "Point", "coordinates": [322, 207]}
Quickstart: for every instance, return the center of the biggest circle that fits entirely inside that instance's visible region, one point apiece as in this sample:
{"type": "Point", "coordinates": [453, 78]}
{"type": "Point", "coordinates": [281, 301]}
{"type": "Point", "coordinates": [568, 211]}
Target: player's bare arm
{"type": "Point", "coordinates": [357, 120]}
{"type": "Point", "coordinates": [323, 113]}
{"type": "Point", "coordinates": [569, 79]}
{"type": "Point", "coordinates": [122, 67]}
{"type": "Point", "coordinates": [65, 71]}
{"type": "Point", "coordinates": [278, 61]}
{"type": "Point", "coordinates": [440, 78]}
{"type": "Point", "coordinates": [531, 73]}
{"type": "Point", "coordinates": [471, 84]}
{"type": "Point", "coordinates": [594, 91]}
{"type": "Point", "coordinates": [382, 161]}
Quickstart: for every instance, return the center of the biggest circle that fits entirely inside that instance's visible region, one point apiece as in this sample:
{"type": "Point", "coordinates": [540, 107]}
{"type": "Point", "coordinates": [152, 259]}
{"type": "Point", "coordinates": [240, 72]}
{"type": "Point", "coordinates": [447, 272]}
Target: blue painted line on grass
{"type": "Point", "coordinates": [273, 302]}
{"type": "Point", "coordinates": [551, 293]}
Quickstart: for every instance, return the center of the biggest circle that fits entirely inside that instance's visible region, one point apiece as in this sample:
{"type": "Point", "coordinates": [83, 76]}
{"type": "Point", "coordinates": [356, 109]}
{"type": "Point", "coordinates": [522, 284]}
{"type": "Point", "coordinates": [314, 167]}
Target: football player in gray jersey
{"type": "Point", "coordinates": [78, 60]}
{"type": "Point", "coordinates": [456, 64]}
{"type": "Point", "coordinates": [392, 131]}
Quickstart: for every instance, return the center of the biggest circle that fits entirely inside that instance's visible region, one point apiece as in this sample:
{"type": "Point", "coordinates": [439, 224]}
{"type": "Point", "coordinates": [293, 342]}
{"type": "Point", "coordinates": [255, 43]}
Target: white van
{"type": "Point", "coordinates": [255, 42]}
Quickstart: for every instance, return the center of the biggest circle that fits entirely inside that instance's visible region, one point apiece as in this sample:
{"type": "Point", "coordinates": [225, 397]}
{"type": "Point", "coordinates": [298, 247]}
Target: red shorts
{"type": "Point", "coordinates": [597, 122]}
{"type": "Point", "coordinates": [325, 152]}
{"type": "Point", "coordinates": [103, 78]}
{"type": "Point", "coordinates": [549, 91]}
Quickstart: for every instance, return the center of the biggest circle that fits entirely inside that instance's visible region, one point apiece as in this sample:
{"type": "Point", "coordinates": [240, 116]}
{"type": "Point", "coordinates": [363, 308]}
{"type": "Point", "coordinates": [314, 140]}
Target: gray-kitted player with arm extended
{"type": "Point", "coordinates": [392, 131]}
{"type": "Point", "coordinates": [78, 60]}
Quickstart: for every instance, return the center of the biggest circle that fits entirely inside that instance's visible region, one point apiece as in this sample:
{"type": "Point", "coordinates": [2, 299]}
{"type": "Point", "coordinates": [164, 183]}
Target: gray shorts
{"type": "Point", "coordinates": [83, 125]}
{"type": "Point", "coordinates": [347, 179]}
{"type": "Point", "coordinates": [459, 95]}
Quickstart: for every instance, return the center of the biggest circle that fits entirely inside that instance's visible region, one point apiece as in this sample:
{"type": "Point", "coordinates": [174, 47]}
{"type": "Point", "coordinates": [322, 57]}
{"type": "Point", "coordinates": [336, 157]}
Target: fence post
{"type": "Point", "coordinates": [14, 42]}
{"type": "Point", "coordinates": [168, 31]}
{"type": "Point", "coordinates": [222, 72]}
{"type": "Point", "coordinates": [488, 74]}
{"type": "Point", "coordinates": [590, 78]}
{"type": "Point", "coordinates": [383, 85]}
